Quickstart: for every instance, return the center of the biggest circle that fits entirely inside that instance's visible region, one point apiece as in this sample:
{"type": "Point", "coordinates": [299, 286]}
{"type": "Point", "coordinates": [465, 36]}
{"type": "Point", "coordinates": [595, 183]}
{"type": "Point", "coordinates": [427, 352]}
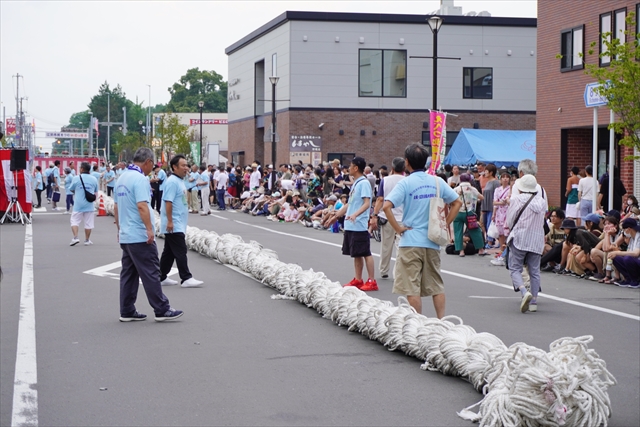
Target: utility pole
{"type": "Point", "coordinates": [18, 129]}
{"type": "Point", "coordinates": [109, 123]}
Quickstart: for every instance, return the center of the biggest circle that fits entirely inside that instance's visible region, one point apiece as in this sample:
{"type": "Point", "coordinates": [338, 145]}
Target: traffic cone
{"type": "Point", "coordinates": [101, 210]}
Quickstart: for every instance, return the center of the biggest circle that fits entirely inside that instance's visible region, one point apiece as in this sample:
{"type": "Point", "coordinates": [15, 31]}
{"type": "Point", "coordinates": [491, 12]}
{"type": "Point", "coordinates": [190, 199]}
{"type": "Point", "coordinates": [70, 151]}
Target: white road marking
{"type": "Point", "coordinates": [487, 297]}
{"type": "Point", "coordinates": [104, 271]}
{"type": "Point", "coordinates": [25, 383]}
{"type": "Point", "coordinates": [464, 276]}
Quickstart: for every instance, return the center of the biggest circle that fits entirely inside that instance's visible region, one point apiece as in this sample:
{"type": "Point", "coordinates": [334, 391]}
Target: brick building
{"type": "Point", "coordinates": [564, 124]}
{"type": "Point", "coordinates": [348, 83]}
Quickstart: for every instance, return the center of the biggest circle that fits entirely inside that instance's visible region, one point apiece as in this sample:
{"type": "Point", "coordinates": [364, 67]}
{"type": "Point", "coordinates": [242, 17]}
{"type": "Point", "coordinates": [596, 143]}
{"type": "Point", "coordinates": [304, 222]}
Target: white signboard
{"type": "Point", "coordinates": [591, 98]}
{"type": "Point", "coordinates": [213, 154]}
{"type": "Point", "coordinates": [68, 135]}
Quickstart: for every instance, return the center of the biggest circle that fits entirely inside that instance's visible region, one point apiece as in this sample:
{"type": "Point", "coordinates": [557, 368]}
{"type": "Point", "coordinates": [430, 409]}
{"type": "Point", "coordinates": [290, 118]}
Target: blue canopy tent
{"type": "Point", "coordinates": [500, 147]}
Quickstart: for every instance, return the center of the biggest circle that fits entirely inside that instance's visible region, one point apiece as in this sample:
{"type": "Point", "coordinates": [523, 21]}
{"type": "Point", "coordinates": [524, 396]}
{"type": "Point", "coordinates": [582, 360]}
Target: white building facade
{"type": "Point", "coordinates": [348, 82]}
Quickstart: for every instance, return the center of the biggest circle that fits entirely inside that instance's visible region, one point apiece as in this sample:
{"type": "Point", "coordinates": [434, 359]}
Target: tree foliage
{"type": "Point", "coordinates": [174, 136]}
{"type": "Point", "coordinates": [126, 145]}
{"type": "Point", "coordinates": [620, 82]}
{"type": "Point", "coordinates": [196, 86]}
{"type": "Point", "coordinates": [80, 120]}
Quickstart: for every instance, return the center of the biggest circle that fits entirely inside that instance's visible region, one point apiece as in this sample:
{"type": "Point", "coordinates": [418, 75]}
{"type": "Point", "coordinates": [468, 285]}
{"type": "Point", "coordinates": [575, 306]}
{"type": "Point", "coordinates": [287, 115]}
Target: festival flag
{"type": "Point", "coordinates": [437, 126]}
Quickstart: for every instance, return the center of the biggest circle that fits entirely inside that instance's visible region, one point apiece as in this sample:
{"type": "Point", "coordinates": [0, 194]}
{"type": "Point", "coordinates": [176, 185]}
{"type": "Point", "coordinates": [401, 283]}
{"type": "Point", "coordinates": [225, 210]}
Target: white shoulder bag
{"type": "Point", "coordinates": [438, 230]}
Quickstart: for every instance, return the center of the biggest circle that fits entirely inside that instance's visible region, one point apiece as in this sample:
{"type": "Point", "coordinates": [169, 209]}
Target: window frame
{"type": "Point", "coordinates": [382, 95]}
{"type": "Point", "coordinates": [614, 27]}
{"type": "Point", "coordinates": [572, 31]}
{"type": "Point", "coordinates": [602, 63]}
{"type": "Point", "coordinates": [463, 86]}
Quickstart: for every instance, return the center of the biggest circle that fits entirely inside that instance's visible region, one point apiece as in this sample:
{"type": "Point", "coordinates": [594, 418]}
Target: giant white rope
{"type": "Point", "coordinates": [523, 385]}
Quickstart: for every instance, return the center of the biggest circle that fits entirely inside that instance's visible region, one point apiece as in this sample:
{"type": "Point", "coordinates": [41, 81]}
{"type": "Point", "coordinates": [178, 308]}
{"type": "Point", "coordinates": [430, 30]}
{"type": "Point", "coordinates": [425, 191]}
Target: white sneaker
{"type": "Point", "coordinates": [498, 261]}
{"type": "Point", "coordinates": [168, 282]}
{"type": "Point", "coordinates": [524, 304]}
{"type": "Point", "coordinates": [74, 241]}
{"type": "Point", "coordinates": [191, 283]}
{"type": "Point", "coordinates": [88, 243]}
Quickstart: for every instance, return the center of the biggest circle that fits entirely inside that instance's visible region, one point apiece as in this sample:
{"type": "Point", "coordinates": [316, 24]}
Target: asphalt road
{"type": "Point", "coordinates": [238, 357]}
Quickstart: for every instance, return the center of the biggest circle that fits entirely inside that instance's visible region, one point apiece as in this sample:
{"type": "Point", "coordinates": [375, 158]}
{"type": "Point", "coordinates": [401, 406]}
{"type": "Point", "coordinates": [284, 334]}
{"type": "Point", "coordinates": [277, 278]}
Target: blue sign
{"type": "Point", "coordinates": [592, 98]}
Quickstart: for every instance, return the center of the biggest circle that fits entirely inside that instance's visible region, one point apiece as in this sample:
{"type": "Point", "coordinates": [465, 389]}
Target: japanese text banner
{"type": "Point", "coordinates": [437, 129]}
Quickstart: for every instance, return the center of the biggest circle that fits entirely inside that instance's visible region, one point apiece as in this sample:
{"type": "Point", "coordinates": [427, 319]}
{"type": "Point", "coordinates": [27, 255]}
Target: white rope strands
{"type": "Point", "coordinates": [522, 385]}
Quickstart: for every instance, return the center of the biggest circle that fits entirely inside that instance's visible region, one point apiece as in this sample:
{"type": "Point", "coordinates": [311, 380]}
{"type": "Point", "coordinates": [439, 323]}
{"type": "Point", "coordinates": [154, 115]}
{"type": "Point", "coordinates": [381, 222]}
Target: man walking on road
{"type": "Point", "coordinates": [379, 218]}
{"type": "Point", "coordinates": [417, 270]}
{"type": "Point", "coordinates": [174, 214]}
{"type": "Point", "coordinates": [83, 210]}
{"type": "Point", "coordinates": [356, 242]}
{"type": "Point", "coordinates": [136, 235]}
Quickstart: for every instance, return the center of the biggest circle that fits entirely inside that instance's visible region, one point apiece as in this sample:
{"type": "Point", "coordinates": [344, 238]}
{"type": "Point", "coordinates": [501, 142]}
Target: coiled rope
{"type": "Point", "coordinates": [522, 385]}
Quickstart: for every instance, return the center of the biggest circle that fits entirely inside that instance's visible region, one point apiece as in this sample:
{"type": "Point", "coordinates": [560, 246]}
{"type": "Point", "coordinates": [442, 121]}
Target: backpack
{"type": "Point", "coordinates": [50, 178]}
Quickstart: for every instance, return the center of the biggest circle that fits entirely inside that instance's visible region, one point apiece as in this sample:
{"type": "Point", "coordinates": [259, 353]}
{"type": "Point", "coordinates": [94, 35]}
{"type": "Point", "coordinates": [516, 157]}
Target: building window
{"type": "Point", "coordinates": [477, 83]}
{"type": "Point", "coordinates": [605, 27]}
{"type": "Point", "coordinates": [572, 48]}
{"type": "Point", "coordinates": [345, 158]}
{"type": "Point", "coordinates": [382, 73]}
{"type": "Point", "coordinates": [619, 24]}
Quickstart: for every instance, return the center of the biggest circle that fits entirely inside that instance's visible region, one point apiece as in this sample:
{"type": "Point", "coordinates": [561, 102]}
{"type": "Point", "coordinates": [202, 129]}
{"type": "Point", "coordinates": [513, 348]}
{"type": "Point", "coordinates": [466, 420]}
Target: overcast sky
{"type": "Point", "coordinates": [65, 50]}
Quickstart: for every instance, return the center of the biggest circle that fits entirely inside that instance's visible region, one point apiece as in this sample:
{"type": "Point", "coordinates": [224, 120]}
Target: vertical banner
{"type": "Point", "coordinates": [437, 121]}
{"type": "Point", "coordinates": [195, 155]}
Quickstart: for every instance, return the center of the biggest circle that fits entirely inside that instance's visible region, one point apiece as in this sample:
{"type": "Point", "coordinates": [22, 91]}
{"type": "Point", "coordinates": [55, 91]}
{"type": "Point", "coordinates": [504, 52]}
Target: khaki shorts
{"type": "Point", "coordinates": [417, 272]}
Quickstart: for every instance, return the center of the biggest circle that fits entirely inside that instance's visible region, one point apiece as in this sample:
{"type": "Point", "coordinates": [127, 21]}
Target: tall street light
{"type": "Point", "coordinates": [435, 22]}
{"type": "Point", "coordinates": [274, 82]}
{"type": "Point", "coordinates": [201, 106]}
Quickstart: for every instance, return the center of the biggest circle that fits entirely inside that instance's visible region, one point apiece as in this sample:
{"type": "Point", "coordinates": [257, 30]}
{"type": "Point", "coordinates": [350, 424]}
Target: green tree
{"type": "Point", "coordinates": [80, 120]}
{"type": "Point", "coordinates": [623, 74]}
{"type": "Point", "coordinates": [174, 136]}
{"type": "Point", "coordinates": [196, 86]}
{"type": "Point", "coordinates": [126, 145]}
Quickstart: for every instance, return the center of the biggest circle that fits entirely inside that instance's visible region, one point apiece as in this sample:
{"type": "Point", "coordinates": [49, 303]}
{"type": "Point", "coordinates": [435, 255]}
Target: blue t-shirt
{"type": "Point", "coordinates": [414, 194]}
{"type": "Point", "coordinates": [67, 183]}
{"type": "Point", "coordinates": [360, 190]}
{"type": "Point", "coordinates": [96, 175]}
{"type": "Point", "coordinates": [38, 182]}
{"type": "Point", "coordinates": [109, 175]}
{"type": "Point", "coordinates": [162, 176]}
{"type": "Point", "coordinates": [47, 173]}
{"type": "Point", "coordinates": [56, 176]}
{"type": "Point", "coordinates": [133, 187]}
{"type": "Point", "coordinates": [90, 184]}
{"type": "Point", "coordinates": [191, 184]}
{"type": "Point", "coordinates": [176, 193]}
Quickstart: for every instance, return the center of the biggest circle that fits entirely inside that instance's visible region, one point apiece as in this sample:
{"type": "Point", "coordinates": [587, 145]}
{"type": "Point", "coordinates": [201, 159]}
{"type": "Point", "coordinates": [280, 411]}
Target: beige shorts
{"type": "Point", "coordinates": [77, 217]}
{"type": "Point", "coordinates": [417, 272]}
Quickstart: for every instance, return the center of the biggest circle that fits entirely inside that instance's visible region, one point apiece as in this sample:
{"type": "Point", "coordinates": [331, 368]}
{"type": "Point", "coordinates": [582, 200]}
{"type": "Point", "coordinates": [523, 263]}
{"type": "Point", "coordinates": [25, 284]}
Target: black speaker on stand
{"type": "Point", "coordinates": [18, 160]}
{"type": "Point", "coordinates": [14, 212]}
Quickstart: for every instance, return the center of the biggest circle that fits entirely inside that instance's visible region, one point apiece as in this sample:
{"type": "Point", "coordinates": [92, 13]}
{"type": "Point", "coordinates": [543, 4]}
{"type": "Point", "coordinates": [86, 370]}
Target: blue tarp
{"type": "Point", "coordinates": [500, 147]}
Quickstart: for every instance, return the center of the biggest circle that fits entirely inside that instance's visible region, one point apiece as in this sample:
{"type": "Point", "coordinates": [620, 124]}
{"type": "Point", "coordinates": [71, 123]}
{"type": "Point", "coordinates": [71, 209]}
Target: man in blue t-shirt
{"type": "Point", "coordinates": [417, 270]}
{"type": "Point", "coordinates": [356, 241]}
{"type": "Point", "coordinates": [173, 224]}
{"type": "Point", "coordinates": [83, 210]}
{"type": "Point", "coordinates": [136, 235]}
{"type": "Point", "coordinates": [110, 180]}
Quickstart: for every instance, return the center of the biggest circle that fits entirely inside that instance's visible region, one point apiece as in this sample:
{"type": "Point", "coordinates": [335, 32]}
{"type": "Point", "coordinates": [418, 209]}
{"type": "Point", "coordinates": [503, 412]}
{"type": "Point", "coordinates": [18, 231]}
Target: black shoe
{"type": "Point", "coordinates": [134, 317]}
{"type": "Point", "coordinates": [171, 314]}
{"type": "Point", "coordinates": [547, 267]}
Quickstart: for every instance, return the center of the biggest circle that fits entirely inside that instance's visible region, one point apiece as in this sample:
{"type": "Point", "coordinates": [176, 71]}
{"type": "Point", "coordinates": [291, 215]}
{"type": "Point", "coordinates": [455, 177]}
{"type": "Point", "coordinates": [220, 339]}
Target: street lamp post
{"type": "Point", "coordinates": [201, 105]}
{"type": "Point", "coordinates": [274, 82]}
{"type": "Point", "coordinates": [435, 22]}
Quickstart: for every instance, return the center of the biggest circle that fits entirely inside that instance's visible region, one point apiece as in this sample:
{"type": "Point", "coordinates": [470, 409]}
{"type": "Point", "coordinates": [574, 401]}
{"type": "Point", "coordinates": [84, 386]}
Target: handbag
{"type": "Point", "coordinates": [472, 220]}
{"type": "Point", "coordinates": [56, 196]}
{"type": "Point", "coordinates": [438, 231]}
{"type": "Point", "coordinates": [506, 252]}
{"type": "Point", "coordinates": [493, 230]}
{"type": "Point", "coordinates": [89, 196]}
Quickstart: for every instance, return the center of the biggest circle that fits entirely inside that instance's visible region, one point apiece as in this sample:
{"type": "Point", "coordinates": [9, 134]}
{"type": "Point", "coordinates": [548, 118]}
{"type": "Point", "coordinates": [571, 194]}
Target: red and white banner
{"type": "Point", "coordinates": [7, 181]}
{"type": "Point", "coordinates": [208, 122]}
{"type": "Point", "coordinates": [437, 122]}
{"type": "Point", "coordinates": [10, 127]}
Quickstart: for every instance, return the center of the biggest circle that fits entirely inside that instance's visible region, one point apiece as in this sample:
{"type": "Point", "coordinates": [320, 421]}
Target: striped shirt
{"type": "Point", "coordinates": [528, 234]}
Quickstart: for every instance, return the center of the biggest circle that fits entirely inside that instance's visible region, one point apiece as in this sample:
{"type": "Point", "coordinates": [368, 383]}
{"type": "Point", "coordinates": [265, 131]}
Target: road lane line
{"type": "Point", "coordinates": [464, 276]}
{"type": "Point", "coordinates": [25, 383]}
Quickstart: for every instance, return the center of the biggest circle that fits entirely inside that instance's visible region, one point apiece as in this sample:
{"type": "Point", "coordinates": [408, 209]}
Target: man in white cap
{"type": "Point", "coordinates": [525, 219]}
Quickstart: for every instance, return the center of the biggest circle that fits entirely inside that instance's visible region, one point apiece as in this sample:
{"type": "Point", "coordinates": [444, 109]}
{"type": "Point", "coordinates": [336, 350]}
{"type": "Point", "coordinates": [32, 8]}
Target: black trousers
{"type": "Point", "coordinates": [175, 248]}
{"type": "Point", "coordinates": [156, 200]}
{"type": "Point", "coordinates": [140, 261]}
{"type": "Point", "coordinates": [39, 197]}
{"type": "Point", "coordinates": [554, 255]}
{"type": "Point", "coordinates": [110, 191]}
